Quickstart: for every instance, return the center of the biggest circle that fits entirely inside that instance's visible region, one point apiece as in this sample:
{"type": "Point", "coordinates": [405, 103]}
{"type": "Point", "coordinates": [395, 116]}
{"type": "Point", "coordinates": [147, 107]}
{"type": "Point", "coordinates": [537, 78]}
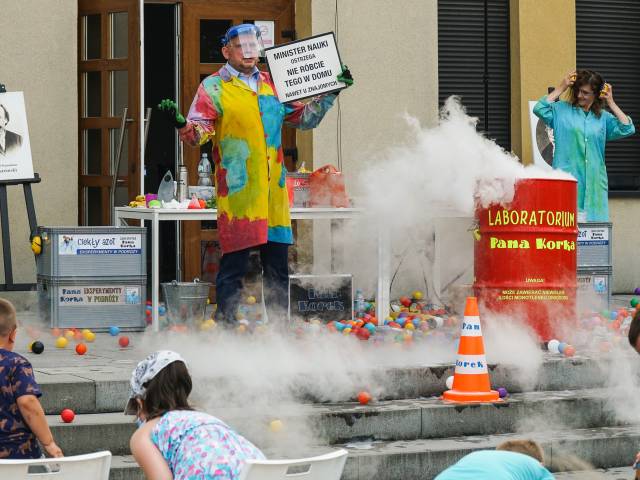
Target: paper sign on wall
{"type": "Point", "coordinates": [100, 244]}
{"type": "Point", "coordinates": [267, 32]}
{"type": "Point", "coordinates": [305, 68]}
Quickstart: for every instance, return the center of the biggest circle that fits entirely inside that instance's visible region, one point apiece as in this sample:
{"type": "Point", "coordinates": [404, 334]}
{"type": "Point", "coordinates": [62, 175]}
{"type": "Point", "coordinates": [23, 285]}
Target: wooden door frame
{"type": "Point", "coordinates": [282, 12]}
{"type": "Point", "coordinates": [106, 121]}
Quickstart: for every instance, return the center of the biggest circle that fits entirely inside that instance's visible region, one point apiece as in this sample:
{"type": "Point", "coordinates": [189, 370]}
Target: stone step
{"type": "Point", "coordinates": [317, 424]}
{"type": "Point", "coordinates": [605, 448]}
{"type": "Point", "coordinates": [96, 389]}
{"type": "Point", "coordinates": [623, 473]}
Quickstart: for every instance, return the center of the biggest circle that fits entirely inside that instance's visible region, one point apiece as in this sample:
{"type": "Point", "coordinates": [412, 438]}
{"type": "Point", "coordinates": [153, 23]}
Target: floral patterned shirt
{"type": "Point", "coordinates": [199, 446]}
{"type": "Point", "coordinates": [16, 379]}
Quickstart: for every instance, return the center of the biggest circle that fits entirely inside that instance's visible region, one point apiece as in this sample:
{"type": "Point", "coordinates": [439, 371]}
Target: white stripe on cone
{"type": "Point", "coordinates": [471, 327]}
{"type": "Point", "coordinates": [471, 364]}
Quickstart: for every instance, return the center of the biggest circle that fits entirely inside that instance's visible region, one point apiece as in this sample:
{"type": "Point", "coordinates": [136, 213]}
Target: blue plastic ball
{"type": "Point", "coordinates": [561, 347]}
{"type": "Point", "coordinates": [371, 327]}
{"type": "Point", "coordinates": [401, 321]}
{"type": "Point", "coordinates": [416, 322]}
{"type": "Point", "coordinates": [114, 331]}
{"type": "Point", "coordinates": [162, 310]}
{"type": "Point", "coordinates": [339, 326]}
{"type": "Point", "coordinates": [613, 315]}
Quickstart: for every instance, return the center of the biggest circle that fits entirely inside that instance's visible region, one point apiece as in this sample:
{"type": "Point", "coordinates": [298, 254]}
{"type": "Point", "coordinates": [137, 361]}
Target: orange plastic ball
{"type": "Point", "coordinates": [364, 397]}
{"type": "Point", "coordinates": [81, 349]}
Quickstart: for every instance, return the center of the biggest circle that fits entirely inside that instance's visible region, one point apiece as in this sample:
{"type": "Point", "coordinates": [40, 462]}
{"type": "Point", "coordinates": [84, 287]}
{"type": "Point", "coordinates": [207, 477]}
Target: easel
{"type": "Point", "coordinates": [9, 286]}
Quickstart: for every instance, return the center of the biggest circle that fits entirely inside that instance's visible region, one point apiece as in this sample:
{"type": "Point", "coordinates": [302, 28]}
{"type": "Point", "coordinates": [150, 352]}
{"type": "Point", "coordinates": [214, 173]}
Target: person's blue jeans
{"type": "Point", "coordinates": [275, 280]}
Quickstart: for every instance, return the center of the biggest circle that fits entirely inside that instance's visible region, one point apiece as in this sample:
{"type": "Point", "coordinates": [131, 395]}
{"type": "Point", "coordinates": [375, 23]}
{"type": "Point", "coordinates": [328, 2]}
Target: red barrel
{"type": "Point", "coordinates": [525, 256]}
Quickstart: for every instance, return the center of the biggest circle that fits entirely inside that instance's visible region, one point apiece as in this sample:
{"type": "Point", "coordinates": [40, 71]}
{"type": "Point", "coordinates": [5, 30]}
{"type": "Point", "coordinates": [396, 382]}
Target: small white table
{"type": "Point", "coordinates": [157, 215]}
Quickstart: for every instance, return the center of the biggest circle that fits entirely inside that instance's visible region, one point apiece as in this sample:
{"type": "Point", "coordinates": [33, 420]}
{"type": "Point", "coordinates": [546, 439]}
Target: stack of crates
{"type": "Point", "coordinates": [594, 265]}
{"type": "Point", "coordinates": [93, 277]}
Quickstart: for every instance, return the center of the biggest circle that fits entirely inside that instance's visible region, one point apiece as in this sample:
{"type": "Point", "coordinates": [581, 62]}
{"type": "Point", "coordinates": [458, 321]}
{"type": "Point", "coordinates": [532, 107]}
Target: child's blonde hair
{"type": "Point", "coordinates": [7, 317]}
{"type": "Point", "coordinates": [528, 447]}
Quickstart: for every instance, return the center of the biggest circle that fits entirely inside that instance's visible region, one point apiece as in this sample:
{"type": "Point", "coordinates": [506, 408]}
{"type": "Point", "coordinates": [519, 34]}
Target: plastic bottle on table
{"type": "Point", "coordinates": [204, 171]}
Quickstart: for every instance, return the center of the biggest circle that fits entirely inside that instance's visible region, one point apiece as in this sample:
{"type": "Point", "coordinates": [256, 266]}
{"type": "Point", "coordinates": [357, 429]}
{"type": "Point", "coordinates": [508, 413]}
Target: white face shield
{"type": "Point", "coordinates": [248, 39]}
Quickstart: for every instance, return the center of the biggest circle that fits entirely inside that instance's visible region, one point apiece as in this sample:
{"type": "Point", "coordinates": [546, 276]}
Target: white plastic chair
{"type": "Point", "coordinates": [323, 467]}
{"type": "Point", "coordinates": [94, 466]}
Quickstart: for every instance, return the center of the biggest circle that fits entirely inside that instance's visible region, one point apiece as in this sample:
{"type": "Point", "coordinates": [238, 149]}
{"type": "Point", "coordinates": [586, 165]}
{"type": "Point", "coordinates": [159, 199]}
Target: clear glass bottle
{"type": "Point", "coordinates": [204, 171]}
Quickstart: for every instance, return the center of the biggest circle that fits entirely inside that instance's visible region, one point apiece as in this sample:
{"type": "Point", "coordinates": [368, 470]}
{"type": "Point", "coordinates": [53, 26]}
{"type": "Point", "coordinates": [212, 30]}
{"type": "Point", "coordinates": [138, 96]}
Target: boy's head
{"type": "Point", "coordinates": [8, 324]}
{"type": "Point", "coordinates": [634, 332]}
{"type": "Point", "coordinates": [528, 447]}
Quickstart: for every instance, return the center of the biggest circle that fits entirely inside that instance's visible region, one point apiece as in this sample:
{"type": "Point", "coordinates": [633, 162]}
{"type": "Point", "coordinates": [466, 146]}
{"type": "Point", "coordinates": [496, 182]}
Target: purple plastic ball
{"type": "Point", "coordinates": [502, 392]}
{"type": "Point", "coordinates": [636, 291]}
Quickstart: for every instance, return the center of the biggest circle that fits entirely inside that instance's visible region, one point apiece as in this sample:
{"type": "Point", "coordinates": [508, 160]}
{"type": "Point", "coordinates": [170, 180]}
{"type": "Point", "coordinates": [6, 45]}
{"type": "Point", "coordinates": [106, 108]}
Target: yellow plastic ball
{"type": "Point", "coordinates": [417, 295]}
{"type": "Point", "coordinates": [36, 245]}
{"type": "Point", "coordinates": [69, 334]}
{"type": "Point", "coordinates": [409, 326]}
{"type": "Point", "coordinates": [346, 331]}
{"type": "Point", "coordinates": [276, 426]}
{"type": "Point", "coordinates": [61, 342]}
{"type": "Point", "coordinates": [251, 300]}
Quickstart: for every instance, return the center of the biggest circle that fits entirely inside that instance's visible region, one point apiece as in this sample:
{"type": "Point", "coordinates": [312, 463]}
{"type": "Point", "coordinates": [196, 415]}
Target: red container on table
{"type": "Point", "coordinates": [525, 256]}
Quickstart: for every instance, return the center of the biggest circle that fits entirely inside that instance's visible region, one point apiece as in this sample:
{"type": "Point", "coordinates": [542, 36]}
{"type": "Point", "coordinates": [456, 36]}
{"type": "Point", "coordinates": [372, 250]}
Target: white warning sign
{"type": "Point", "coordinates": [305, 68]}
{"type": "Point", "coordinates": [471, 364]}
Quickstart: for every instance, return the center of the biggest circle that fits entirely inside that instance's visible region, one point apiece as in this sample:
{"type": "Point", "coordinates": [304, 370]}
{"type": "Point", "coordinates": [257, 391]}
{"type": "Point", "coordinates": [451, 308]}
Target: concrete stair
{"type": "Point", "coordinates": [409, 434]}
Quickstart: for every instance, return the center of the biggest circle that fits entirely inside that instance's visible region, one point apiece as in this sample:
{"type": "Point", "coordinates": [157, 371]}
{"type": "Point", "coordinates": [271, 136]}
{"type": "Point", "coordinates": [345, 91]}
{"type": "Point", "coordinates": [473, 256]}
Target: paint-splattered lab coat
{"type": "Point", "coordinates": [580, 139]}
{"type": "Point", "coordinates": [250, 175]}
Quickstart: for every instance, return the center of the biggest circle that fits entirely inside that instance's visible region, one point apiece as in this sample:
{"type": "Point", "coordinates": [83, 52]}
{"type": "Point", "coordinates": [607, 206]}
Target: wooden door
{"type": "Point", "coordinates": [108, 81]}
{"type": "Point", "coordinates": [203, 23]}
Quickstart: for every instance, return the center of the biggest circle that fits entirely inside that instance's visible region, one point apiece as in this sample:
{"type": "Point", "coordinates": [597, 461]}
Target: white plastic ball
{"type": "Point", "coordinates": [449, 382]}
{"type": "Point", "coordinates": [553, 346]}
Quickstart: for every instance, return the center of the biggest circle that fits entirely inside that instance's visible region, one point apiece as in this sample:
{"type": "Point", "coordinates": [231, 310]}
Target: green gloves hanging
{"type": "Point", "coordinates": [170, 109]}
{"type": "Point", "coordinates": [346, 77]}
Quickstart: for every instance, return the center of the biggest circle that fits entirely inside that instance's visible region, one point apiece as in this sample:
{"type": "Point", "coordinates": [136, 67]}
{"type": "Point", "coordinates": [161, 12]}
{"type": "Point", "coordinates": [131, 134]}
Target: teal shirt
{"type": "Point", "coordinates": [580, 139]}
{"type": "Point", "coordinates": [496, 465]}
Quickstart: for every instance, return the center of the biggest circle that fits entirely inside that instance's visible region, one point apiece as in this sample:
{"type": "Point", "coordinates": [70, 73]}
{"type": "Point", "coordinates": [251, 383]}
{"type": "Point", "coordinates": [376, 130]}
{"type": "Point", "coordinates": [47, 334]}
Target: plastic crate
{"type": "Point", "coordinates": [594, 244]}
{"type": "Point", "coordinates": [594, 288]}
{"type": "Point", "coordinates": [92, 252]}
{"type": "Point", "coordinates": [95, 303]}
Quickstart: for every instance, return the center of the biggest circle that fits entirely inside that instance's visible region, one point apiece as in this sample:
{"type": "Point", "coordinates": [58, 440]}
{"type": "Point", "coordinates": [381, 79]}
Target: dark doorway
{"type": "Point", "coordinates": [160, 64]}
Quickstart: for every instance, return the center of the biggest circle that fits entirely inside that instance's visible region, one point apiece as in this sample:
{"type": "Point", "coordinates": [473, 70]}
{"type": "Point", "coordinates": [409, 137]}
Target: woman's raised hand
{"type": "Point", "coordinates": [568, 80]}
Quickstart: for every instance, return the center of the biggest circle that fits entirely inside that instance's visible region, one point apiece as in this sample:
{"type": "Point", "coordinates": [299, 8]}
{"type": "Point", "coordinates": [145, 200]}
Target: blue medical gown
{"type": "Point", "coordinates": [580, 139]}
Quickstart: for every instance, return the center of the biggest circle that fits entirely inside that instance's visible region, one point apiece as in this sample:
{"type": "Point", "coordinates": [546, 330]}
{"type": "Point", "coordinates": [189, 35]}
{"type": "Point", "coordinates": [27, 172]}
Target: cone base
{"type": "Point", "coordinates": [471, 397]}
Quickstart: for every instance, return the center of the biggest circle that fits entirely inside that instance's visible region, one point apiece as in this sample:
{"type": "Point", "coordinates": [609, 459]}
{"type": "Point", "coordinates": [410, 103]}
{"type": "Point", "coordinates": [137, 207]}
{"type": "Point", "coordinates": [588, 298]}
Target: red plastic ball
{"type": "Point", "coordinates": [363, 334]}
{"type": "Point", "coordinates": [569, 351]}
{"type": "Point", "coordinates": [406, 301]}
{"type": "Point", "coordinates": [81, 349]}
{"type": "Point", "coordinates": [123, 341]}
{"type": "Point", "coordinates": [67, 415]}
{"type": "Point", "coordinates": [364, 397]}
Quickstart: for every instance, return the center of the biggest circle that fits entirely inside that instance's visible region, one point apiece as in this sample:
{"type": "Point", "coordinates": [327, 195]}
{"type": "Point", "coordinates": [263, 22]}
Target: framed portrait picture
{"type": "Point", "coordinates": [15, 148]}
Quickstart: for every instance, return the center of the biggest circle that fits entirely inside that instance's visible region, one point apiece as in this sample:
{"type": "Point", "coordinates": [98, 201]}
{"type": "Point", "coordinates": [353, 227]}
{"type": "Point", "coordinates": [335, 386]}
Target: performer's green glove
{"type": "Point", "coordinates": [346, 77]}
{"type": "Point", "coordinates": [170, 108]}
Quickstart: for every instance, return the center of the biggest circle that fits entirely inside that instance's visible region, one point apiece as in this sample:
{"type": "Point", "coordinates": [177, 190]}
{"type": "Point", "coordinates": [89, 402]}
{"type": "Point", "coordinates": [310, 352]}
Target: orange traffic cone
{"type": "Point", "coordinates": [471, 377]}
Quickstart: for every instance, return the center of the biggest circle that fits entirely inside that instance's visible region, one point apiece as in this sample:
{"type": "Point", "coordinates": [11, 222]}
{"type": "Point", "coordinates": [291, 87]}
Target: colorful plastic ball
{"type": "Point", "coordinates": [276, 426]}
{"type": "Point", "coordinates": [67, 415]}
{"type": "Point", "coordinates": [634, 302]}
{"type": "Point", "coordinates": [162, 310]}
{"type": "Point", "coordinates": [81, 349]}
{"type": "Point", "coordinates": [77, 336]}
{"type": "Point", "coordinates": [37, 347]}
{"type": "Point", "coordinates": [364, 397]}
{"type": "Point", "coordinates": [371, 328]}
{"type": "Point", "coordinates": [636, 291]}
{"type": "Point", "coordinates": [69, 334]}
{"type": "Point", "coordinates": [449, 382]}
{"type": "Point", "coordinates": [114, 331]}
{"type": "Point", "coordinates": [502, 392]}
{"type": "Point", "coordinates": [569, 351]}
{"type": "Point", "coordinates": [61, 342]}
{"type": "Point", "coordinates": [123, 341]}
{"type": "Point", "coordinates": [56, 332]}
{"type": "Point", "coordinates": [405, 301]}
{"type": "Point", "coordinates": [417, 295]}
{"type": "Point", "coordinates": [561, 347]}
{"type": "Point", "coordinates": [363, 334]}
{"type": "Point", "coordinates": [553, 345]}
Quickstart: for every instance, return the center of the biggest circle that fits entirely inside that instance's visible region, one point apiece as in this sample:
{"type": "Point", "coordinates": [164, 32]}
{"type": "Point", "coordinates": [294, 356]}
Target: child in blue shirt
{"type": "Point", "coordinates": [22, 420]}
{"type": "Point", "coordinates": [512, 460]}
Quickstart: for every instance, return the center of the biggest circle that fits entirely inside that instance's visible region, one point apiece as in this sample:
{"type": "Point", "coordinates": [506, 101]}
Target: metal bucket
{"type": "Point", "coordinates": [186, 302]}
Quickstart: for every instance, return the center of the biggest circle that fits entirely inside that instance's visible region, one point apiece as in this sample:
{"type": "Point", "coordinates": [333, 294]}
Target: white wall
{"type": "Point", "coordinates": [623, 212]}
{"type": "Point", "coordinates": [38, 55]}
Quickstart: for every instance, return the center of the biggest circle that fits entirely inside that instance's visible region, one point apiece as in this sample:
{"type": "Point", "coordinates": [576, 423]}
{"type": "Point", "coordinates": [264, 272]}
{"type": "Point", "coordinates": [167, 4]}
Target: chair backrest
{"type": "Point", "coordinates": [323, 467]}
{"type": "Point", "coordinates": [94, 466]}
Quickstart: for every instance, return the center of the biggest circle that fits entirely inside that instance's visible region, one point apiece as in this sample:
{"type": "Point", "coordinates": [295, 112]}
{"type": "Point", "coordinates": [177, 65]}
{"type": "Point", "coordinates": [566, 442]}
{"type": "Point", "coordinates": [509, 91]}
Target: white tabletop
{"type": "Point", "coordinates": [212, 214]}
